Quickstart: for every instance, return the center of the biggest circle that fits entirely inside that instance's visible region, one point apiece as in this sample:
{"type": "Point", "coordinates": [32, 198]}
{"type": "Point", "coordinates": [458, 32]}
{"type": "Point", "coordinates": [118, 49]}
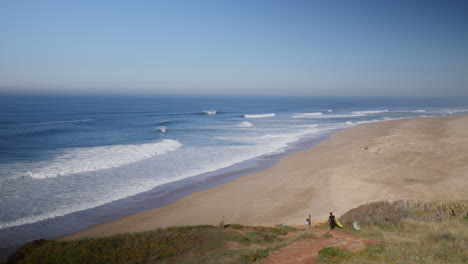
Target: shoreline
{"type": "Point", "coordinates": [387, 160]}
{"type": "Point", "coordinates": [156, 198]}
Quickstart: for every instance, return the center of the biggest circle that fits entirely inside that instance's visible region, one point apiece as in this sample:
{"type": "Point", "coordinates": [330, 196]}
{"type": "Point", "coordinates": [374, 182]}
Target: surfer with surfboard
{"type": "Point", "coordinates": [334, 222]}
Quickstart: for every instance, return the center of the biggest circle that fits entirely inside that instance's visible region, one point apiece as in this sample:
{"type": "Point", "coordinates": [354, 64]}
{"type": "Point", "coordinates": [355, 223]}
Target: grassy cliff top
{"type": "Point", "coordinates": [405, 231]}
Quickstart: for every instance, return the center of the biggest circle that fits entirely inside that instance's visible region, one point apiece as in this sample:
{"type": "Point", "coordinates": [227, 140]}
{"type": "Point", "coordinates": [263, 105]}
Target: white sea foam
{"type": "Point", "coordinates": [260, 115]}
{"type": "Point", "coordinates": [329, 110]}
{"type": "Point", "coordinates": [161, 129]}
{"type": "Point", "coordinates": [419, 111]}
{"type": "Point", "coordinates": [366, 121]}
{"type": "Point", "coordinates": [207, 159]}
{"type": "Point", "coordinates": [67, 121]}
{"type": "Point", "coordinates": [245, 124]}
{"type": "Point", "coordinates": [302, 115]}
{"type": "Point", "coordinates": [308, 126]}
{"type": "Point", "coordinates": [209, 112]}
{"type": "Point", "coordinates": [78, 160]}
{"type": "Point", "coordinates": [370, 112]}
{"type": "Point", "coordinates": [454, 111]}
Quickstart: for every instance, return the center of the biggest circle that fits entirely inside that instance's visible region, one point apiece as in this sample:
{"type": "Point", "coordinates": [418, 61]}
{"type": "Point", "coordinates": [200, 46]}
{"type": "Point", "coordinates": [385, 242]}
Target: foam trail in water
{"type": "Point", "coordinates": [419, 111]}
{"type": "Point", "coordinates": [99, 158]}
{"type": "Point", "coordinates": [259, 115]}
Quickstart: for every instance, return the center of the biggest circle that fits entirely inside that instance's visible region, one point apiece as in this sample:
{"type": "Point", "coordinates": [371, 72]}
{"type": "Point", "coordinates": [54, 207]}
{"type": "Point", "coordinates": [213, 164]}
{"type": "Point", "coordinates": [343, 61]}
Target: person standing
{"type": "Point", "coordinates": [331, 219]}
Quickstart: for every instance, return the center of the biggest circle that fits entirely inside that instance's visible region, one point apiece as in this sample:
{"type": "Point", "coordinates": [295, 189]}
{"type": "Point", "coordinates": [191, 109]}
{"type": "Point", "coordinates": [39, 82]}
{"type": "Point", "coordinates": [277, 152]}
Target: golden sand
{"type": "Point", "coordinates": [420, 159]}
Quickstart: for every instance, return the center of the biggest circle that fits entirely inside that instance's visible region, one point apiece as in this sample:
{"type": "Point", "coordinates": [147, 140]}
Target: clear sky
{"type": "Point", "coordinates": [349, 47]}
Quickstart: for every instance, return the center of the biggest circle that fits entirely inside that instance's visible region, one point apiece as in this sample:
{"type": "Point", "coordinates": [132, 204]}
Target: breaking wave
{"type": "Point", "coordinates": [370, 112]}
{"type": "Point", "coordinates": [209, 112]}
{"type": "Point", "coordinates": [78, 160]}
{"type": "Point", "coordinates": [161, 129]}
{"type": "Point", "coordinates": [308, 115]}
{"type": "Point", "coordinates": [245, 124]}
{"type": "Point", "coordinates": [325, 116]}
{"type": "Point", "coordinates": [454, 111]}
{"type": "Point", "coordinates": [259, 115]}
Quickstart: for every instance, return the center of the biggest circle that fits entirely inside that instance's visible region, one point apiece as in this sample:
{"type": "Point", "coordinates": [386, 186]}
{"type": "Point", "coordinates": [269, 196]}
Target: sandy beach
{"type": "Point", "coordinates": [419, 159]}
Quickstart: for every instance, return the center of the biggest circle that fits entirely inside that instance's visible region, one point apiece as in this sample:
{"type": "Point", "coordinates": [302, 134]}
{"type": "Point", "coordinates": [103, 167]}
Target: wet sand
{"type": "Point", "coordinates": [420, 159]}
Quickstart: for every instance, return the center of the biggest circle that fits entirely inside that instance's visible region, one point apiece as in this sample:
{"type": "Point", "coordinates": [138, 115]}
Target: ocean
{"type": "Point", "coordinates": [68, 162]}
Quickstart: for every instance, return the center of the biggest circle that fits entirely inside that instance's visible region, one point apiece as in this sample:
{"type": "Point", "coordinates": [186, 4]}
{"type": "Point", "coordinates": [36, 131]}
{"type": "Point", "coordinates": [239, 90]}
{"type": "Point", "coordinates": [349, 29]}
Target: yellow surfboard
{"type": "Point", "coordinates": [338, 223]}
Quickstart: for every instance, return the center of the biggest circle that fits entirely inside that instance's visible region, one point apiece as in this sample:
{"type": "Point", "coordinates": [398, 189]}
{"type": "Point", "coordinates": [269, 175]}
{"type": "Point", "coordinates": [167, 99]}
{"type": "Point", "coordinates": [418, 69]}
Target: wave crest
{"type": "Point", "coordinates": [161, 129]}
{"type": "Point", "coordinates": [308, 115]}
{"type": "Point", "coordinates": [209, 112]}
{"type": "Point", "coordinates": [259, 115]}
{"type": "Point", "coordinates": [67, 121]}
{"type": "Point", "coordinates": [370, 112]}
{"type": "Point", "coordinates": [245, 124]}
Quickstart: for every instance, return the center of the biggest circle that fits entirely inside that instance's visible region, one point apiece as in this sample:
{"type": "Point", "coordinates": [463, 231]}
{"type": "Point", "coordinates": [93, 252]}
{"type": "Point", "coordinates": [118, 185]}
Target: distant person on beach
{"type": "Point", "coordinates": [331, 219]}
{"type": "Point", "coordinates": [308, 222]}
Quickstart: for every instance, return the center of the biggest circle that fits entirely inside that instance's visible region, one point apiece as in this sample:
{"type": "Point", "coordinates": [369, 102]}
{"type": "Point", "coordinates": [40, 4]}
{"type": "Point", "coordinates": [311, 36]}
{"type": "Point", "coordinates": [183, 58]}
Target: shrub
{"type": "Point", "coordinates": [381, 213]}
{"type": "Point", "coordinates": [333, 252]}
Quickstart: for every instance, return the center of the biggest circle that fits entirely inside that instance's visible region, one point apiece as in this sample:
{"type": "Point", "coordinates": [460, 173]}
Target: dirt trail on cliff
{"type": "Point", "coordinates": [305, 250]}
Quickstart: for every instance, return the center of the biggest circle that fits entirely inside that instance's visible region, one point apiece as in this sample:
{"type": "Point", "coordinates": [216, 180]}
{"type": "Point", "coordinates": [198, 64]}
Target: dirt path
{"type": "Point", "coordinates": [306, 250]}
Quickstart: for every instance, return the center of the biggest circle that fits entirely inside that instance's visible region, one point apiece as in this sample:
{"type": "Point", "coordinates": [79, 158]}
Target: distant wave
{"type": "Point", "coordinates": [308, 115]}
{"type": "Point", "coordinates": [78, 160]}
{"type": "Point", "coordinates": [245, 124]}
{"type": "Point", "coordinates": [455, 111]}
{"type": "Point", "coordinates": [259, 115]}
{"type": "Point", "coordinates": [209, 112]}
{"type": "Point", "coordinates": [322, 116]}
{"type": "Point", "coordinates": [370, 112]}
{"type": "Point", "coordinates": [419, 111]}
{"type": "Point", "coordinates": [68, 121]}
{"type": "Point", "coordinates": [47, 132]}
{"type": "Point", "coordinates": [329, 110]}
{"type": "Point", "coordinates": [162, 129]}
{"type": "Point", "coordinates": [164, 122]}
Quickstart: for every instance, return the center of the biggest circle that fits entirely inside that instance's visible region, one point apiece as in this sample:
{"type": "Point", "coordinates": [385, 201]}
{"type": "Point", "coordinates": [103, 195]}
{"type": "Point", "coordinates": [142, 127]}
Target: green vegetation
{"type": "Point", "coordinates": [390, 213]}
{"type": "Point", "coordinates": [187, 244]}
{"type": "Point", "coordinates": [408, 232]}
{"type": "Point", "coordinates": [331, 253]}
{"type": "Point", "coordinates": [404, 232]}
{"type": "Point", "coordinates": [410, 242]}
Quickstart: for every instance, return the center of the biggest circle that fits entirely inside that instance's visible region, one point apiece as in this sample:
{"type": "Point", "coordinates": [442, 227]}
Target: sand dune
{"type": "Point", "coordinates": [420, 159]}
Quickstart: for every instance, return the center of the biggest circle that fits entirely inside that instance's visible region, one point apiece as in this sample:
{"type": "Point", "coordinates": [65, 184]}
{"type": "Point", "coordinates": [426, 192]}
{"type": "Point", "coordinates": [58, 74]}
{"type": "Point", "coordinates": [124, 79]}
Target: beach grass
{"type": "Point", "coordinates": [416, 237]}
{"type": "Point", "coordinates": [410, 241]}
{"type": "Point", "coordinates": [186, 244]}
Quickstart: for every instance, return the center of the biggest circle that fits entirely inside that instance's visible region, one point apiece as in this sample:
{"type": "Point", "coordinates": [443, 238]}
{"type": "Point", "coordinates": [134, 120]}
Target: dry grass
{"type": "Point", "coordinates": [411, 232]}
{"type": "Point", "coordinates": [412, 241]}
{"type": "Point", "coordinates": [186, 244]}
{"type": "Point", "coordinates": [384, 213]}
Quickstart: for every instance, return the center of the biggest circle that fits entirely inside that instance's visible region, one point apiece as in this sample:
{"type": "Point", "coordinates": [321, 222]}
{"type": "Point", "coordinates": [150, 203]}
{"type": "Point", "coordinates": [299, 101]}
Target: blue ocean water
{"type": "Point", "coordinates": [64, 154]}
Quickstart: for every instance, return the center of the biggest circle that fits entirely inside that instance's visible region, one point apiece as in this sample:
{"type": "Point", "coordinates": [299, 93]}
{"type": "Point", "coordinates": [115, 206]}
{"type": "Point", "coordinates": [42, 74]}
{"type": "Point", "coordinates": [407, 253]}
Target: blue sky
{"type": "Point", "coordinates": [349, 47]}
